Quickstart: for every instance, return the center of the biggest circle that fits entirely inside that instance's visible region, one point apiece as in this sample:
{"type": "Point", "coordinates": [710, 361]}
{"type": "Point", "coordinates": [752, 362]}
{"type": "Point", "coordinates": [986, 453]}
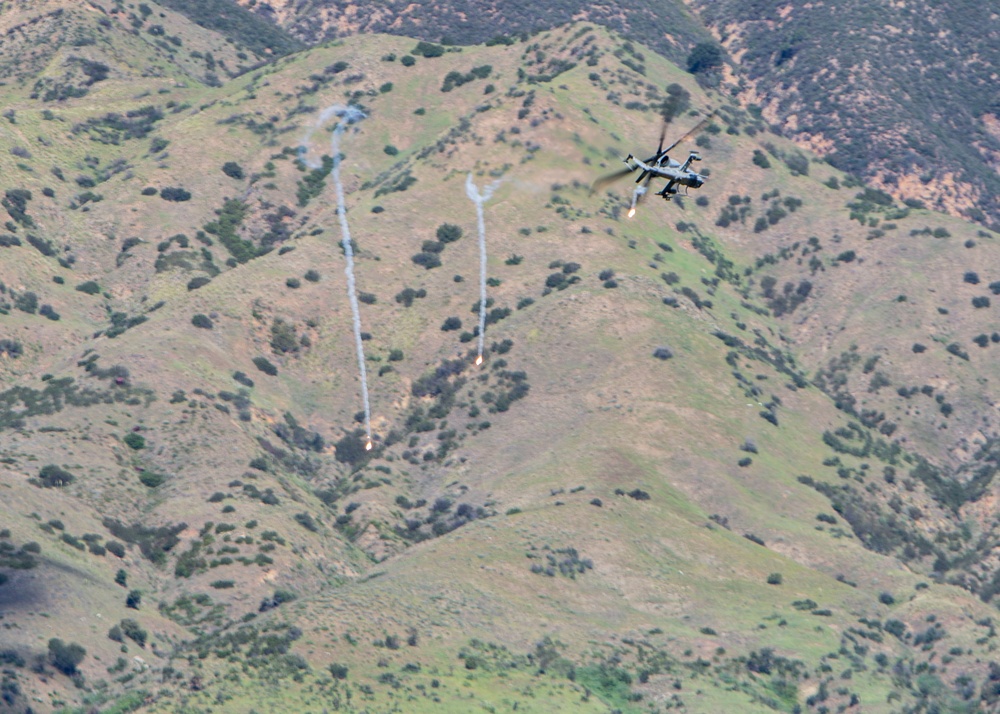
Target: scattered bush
{"type": "Point", "coordinates": [265, 366]}
{"type": "Point", "coordinates": [175, 194]}
{"type": "Point", "coordinates": [51, 476]}
{"type": "Point", "coordinates": [135, 441]}
{"type": "Point", "coordinates": [90, 287]}
{"type": "Point", "coordinates": [65, 657]}
{"type": "Point", "coordinates": [151, 479]}
{"type": "Point", "coordinates": [202, 321]}
{"type": "Point", "coordinates": [233, 170]}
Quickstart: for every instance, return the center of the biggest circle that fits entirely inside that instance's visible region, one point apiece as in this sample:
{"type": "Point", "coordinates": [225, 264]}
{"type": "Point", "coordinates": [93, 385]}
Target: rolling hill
{"type": "Point", "coordinates": [900, 96]}
{"type": "Point", "coordinates": [703, 465]}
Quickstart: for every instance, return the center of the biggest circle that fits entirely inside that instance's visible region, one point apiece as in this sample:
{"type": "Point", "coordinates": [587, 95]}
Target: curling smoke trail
{"type": "Point", "coordinates": [345, 116]}
{"type": "Point", "coordinates": [479, 198]}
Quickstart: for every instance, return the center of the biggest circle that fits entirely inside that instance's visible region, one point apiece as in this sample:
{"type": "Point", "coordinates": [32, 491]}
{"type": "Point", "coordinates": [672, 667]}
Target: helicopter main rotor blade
{"type": "Point", "coordinates": [610, 179]}
{"type": "Point", "coordinates": [663, 135]}
{"type": "Point", "coordinates": [697, 127]}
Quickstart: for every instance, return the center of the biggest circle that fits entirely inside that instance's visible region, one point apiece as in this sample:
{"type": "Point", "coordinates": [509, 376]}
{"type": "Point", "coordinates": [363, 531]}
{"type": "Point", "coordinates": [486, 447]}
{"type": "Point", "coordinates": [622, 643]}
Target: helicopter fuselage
{"type": "Point", "coordinates": [664, 167]}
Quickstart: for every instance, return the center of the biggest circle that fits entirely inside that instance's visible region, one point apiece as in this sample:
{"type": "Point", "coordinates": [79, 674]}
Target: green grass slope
{"type": "Point", "coordinates": [655, 494]}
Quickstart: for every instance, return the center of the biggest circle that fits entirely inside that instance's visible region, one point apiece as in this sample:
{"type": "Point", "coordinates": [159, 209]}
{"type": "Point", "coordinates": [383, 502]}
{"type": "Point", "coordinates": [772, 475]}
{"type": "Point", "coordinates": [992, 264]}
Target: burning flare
{"type": "Point", "coordinates": [479, 360]}
{"type": "Point", "coordinates": [368, 446]}
{"type": "Point", "coordinates": [631, 212]}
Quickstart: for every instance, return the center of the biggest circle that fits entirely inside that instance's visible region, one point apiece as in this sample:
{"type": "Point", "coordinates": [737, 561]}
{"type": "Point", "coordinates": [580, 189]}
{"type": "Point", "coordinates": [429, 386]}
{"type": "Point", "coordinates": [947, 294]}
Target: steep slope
{"type": "Point", "coordinates": [668, 27]}
{"type": "Point", "coordinates": [898, 93]}
{"type": "Point", "coordinates": [633, 504]}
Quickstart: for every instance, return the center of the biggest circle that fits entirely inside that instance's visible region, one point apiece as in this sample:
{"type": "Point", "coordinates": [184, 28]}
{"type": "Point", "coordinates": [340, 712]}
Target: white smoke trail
{"type": "Point", "coordinates": [639, 191]}
{"type": "Point", "coordinates": [345, 116]}
{"type": "Point", "coordinates": [479, 198]}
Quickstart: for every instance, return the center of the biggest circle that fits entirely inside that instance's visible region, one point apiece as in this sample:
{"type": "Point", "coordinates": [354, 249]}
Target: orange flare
{"type": "Point", "coordinates": [479, 360]}
{"type": "Point", "coordinates": [631, 212]}
{"type": "Point", "coordinates": [368, 446]}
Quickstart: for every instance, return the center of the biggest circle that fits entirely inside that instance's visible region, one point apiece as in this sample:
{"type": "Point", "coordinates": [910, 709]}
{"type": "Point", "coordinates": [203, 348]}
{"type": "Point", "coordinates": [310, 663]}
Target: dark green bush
{"type": "Point", "coordinates": [233, 170]}
{"type": "Point", "coordinates": [202, 321]}
{"type": "Point", "coordinates": [65, 657]}
{"type": "Point", "coordinates": [175, 193]}
{"type": "Point", "coordinates": [135, 441]}
{"type": "Point", "coordinates": [265, 366]}
{"type": "Point", "coordinates": [90, 287]}
{"type": "Point", "coordinates": [151, 479]}
{"type": "Point", "coordinates": [51, 476]}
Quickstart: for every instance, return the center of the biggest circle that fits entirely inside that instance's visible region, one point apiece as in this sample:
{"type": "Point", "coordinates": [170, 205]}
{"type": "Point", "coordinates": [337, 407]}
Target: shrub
{"type": "Point", "coordinates": [116, 548]}
{"type": "Point", "coordinates": [312, 276]}
{"type": "Point", "coordinates": [265, 366]}
{"type": "Point", "coordinates": [65, 657]}
{"type": "Point", "coordinates": [981, 301]}
{"type": "Point", "coordinates": [448, 233]}
{"type": "Point", "coordinates": [367, 298]}
{"type": "Point", "coordinates": [133, 599]}
{"type": "Point", "coordinates": [151, 479]}
{"type": "Point", "coordinates": [451, 323]}
{"type": "Point", "coordinates": [971, 277]}
{"type": "Point", "coordinates": [293, 283]}
{"type": "Point", "coordinates": [135, 441]}
{"type": "Point", "coordinates": [704, 57]}
{"type": "Point", "coordinates": [198, 282]}
{"type": "Point", "coordinates": [339, 671]}
{"type": "Point", "coordinates": [133, 630]}
{"type": "Point", "coordinates": [149, 191]}
{"type": "Point", "coordinates": [233, 170]}
{"type": "Point", "coordinates": [90, 287]}
{"type": "Point", "coordinates": [427, 260]}
{"type": "Point", "coordinates": [406, 296]}
{"type": "Point", "coordinates": [390, 150]}
{"type": "Point", "coordinates": [774, 579]}
{"type": "Point", "coordinates": [760, 159]}
{"type": "Point", "coordinates": [175, 193]}
{"type": "Point", "coordinates": [52, 476]}
{"type": "Point", "coordinates": [222, 584]}
{"type": "Point", "coordinates": [663, 353]}
{"type": "Point", "coordinates": [425, 49]}
{"type": "Point", "coordinates": [12, 348]}
{"type": "Point", "coordinates": [202, 321]}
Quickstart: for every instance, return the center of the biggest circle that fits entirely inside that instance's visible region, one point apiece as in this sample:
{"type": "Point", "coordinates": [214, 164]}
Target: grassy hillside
{"type": "Point", "coordinates": [662, 491]}
{"type": "Point", "coordinates": [899, 95]}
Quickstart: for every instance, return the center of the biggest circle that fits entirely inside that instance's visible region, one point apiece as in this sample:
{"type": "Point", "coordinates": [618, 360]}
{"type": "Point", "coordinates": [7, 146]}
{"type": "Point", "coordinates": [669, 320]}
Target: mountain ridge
{"type": "Point", "coordinates": [596, 540]}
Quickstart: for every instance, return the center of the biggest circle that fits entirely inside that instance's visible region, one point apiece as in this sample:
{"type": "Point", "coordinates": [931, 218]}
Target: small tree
{"type": "Point", "coordinates": [705, 57]}
{"type": "Point", "coordinates": [202, 321]}
{"type": "Point", "coordinates": [52, 476]}
{"type": "Point", "coordinates": [135, 441]}
{"type": "Point", "coordinates": [233, 170]}
{"type": "Point", "coordinates": [65, 657]}
{"type": "Point", "coordinates": [265, 366]}
{"type": "Point", "coordinates": [448, 233]}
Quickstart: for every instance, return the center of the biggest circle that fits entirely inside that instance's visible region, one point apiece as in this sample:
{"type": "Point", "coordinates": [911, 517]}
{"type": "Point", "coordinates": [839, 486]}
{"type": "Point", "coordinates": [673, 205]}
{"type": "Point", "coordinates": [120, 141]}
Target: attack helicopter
{"type": "Point", "coordinates": [660, 165]}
